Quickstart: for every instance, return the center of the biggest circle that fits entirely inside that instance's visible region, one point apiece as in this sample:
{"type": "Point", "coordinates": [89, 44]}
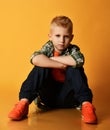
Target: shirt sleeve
{"type": "Point", "coordinates": [46, 50]}
{"type": "Point", "coordinates": [77, 56]}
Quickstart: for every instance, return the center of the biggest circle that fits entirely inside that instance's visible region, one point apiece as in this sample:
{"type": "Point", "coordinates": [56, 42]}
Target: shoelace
{"type": "Point", "coordinates": [19, 107]}
{"type": "Point", "coordinates": [89, 108]}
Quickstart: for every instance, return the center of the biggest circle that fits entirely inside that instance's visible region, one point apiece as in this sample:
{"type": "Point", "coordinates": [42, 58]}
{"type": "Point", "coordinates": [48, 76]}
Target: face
{"type": "Point", "coordinates": [60, 37]}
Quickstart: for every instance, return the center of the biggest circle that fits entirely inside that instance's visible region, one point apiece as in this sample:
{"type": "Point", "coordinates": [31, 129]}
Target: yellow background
{"type": "Point", "coordinates": [24, 27]}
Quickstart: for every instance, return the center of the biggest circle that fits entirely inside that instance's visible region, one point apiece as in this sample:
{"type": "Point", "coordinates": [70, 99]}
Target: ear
{"type": "Point", "coordinates": [49, 35]}
{"type": "Point", "coordinates": [72, 36]}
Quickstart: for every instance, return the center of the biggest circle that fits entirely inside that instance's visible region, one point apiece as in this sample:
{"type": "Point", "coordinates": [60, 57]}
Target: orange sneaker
{"type": "Point", "coordinates": [88, 113]}
{"type": "Point", "coordinates": [19, 111]}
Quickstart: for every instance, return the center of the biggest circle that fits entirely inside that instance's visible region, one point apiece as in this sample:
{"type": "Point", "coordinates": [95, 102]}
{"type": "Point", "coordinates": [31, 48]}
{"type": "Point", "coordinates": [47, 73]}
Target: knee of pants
{"type": "Point", "coordinates": [76, 72]}
{"type": "Point", "coordinates": [70, 72]}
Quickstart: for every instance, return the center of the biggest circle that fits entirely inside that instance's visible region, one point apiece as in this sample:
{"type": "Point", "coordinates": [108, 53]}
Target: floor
{"type": "Point", "coordinates": [61, 119]}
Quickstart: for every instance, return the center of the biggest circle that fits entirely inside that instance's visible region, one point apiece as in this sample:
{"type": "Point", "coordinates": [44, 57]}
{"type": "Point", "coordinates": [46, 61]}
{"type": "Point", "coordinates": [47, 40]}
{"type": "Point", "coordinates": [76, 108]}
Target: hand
{"type": "Point", "coordinates": [62, 66]}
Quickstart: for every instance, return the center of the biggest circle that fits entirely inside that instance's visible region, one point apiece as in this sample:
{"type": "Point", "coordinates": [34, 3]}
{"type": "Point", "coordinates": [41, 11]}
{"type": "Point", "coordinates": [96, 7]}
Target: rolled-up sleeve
{"type": "Point", "coordinates": [46, 49]}
{"type": "Point", "coordinates": [35, 54]}
{"type": "Point", "coordinates": [77, 56]}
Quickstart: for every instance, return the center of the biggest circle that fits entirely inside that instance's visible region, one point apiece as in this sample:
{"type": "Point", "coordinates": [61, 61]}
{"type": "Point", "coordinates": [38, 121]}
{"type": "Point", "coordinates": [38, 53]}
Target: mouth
{"type": "Point", "coordinates": [60, 47]}
{"type": "Point", "coordinates": [61, 44]}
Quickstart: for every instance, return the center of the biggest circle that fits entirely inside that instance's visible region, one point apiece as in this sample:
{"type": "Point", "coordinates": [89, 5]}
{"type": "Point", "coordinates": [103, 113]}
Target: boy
{"type": "Point", "coordinates": [57, 79]}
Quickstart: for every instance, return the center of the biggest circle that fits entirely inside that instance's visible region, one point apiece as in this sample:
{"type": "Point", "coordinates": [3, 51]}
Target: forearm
{"type": "Point", "coordinates": [43, 61]}
{"type": "Point", "coordinates": [67, 60]}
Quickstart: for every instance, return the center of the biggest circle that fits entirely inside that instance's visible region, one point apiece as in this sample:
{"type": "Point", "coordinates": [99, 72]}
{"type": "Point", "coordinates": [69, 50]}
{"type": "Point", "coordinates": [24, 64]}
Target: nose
{"type": "Point", "coordinates": [62, 39]}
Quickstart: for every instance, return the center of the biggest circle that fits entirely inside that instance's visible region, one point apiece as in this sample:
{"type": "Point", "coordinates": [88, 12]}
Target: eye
{"type": "Point", "coordinates": [66, 36]}
{"type": "Point", "coordinates": [57, 35]}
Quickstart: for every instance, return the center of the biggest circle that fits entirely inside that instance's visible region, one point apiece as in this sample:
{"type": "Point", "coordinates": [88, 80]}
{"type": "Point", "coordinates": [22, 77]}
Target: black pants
{"type": "Point", "coordinates": [73, 91]}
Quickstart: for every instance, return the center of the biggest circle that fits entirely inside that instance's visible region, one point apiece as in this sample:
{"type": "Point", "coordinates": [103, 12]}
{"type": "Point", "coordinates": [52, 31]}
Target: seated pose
{"type": "Point", "coordinates": [57, 79]}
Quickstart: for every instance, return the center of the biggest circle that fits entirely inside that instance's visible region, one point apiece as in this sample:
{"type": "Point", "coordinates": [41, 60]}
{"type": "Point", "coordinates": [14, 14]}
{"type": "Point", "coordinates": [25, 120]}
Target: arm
{"type": "Point", "coordinates": [75, 58]}
{"type": "Point", "coordinates": [43, 61]}
{"type": "Point", "coordinates": [67, 60]}
{"type": "Point", "coordinates": [43, 58]}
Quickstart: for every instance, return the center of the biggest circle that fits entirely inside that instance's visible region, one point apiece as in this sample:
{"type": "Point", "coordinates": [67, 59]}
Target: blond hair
{"type": "Point", "coordinates": [63, 21]}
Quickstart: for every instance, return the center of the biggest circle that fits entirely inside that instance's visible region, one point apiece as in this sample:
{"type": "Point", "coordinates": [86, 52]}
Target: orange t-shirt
{"type": "Point", "coordinates": [58, 74]}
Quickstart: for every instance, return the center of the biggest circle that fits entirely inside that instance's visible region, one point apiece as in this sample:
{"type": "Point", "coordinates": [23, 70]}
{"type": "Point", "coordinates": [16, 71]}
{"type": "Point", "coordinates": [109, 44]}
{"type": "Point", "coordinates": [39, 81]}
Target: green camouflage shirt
{"type": "Point", "coordinates": [72, 50]}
